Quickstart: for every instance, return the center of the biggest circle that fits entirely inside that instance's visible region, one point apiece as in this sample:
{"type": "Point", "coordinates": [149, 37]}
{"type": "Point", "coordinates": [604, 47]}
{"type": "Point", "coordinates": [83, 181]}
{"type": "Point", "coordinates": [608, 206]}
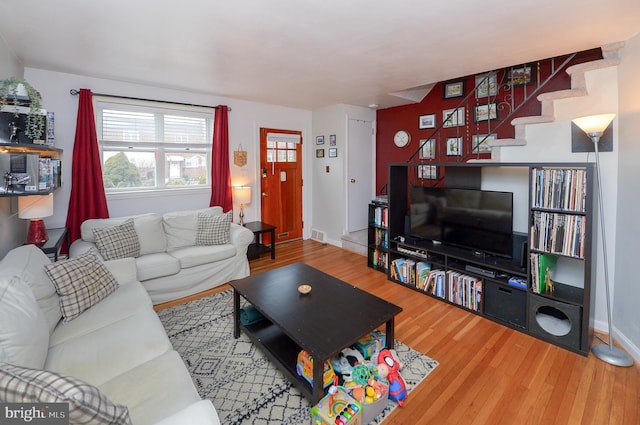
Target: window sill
{"type": "Point", "coordinates": [159, 193]}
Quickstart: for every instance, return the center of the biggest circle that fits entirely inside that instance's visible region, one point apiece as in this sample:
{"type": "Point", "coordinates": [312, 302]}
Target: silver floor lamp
{"type": "Point", "coordinates": [594, 126]}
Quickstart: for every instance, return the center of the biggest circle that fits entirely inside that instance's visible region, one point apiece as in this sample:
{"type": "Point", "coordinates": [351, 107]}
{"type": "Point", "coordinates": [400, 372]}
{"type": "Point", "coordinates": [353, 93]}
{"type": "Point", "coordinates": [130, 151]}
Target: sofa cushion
{"type": "Point", "coordinates": [148, 227]}
{"type": "Point", "coordinates": [86, 403]}
{"type": "Point", "coordinates": [28, 263]}
{"type": "Point", "coordinates": [110, 350]}
{"type": "Point", "coordinates": [81, 282]}
{"type": "Point", "coordinates": [192, 256]}
{"type": "Point", "coordinates": [24, 334]}
{"type": "Point", "coordinates": [181, 227]}
{"type": "Point", "coordinates": [156, 265]}
{"type": "Point", "coordinates": [118, 241]}
{"type": "Point", "coordinates": [154, 390]}
{"type": "Point", "coordinates": [125, 301]}
{"type": "Point", "coordinates": [213, 229]}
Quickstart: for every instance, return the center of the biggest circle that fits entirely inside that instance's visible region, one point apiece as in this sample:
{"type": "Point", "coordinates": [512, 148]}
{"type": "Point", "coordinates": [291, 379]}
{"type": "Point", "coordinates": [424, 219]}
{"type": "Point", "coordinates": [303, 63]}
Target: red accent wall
{"type": "Point", "coordinates": [406, 117]}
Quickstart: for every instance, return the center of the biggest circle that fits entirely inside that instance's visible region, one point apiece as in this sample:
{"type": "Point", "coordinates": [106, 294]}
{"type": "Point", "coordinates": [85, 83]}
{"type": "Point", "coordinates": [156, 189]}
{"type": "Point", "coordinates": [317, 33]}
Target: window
{"type": "Point", "coordinates": [149, 146]}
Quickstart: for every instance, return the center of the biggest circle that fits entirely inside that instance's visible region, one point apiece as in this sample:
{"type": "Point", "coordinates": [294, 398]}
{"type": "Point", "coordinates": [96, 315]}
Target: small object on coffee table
{"type": "Point", "coordinates": [304, 289]}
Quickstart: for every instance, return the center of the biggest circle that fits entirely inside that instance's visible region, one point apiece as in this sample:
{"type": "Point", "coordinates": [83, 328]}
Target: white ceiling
{"type": "Point", "coordinates": [305, 53]}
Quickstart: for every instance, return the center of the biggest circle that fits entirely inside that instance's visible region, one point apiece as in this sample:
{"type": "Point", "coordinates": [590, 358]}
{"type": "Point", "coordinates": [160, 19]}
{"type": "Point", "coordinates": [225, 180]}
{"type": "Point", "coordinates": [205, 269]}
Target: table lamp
{"type": "Point", "coordinates": [242, 195]}
{"type": "Point", "coordinates": [35, 208]}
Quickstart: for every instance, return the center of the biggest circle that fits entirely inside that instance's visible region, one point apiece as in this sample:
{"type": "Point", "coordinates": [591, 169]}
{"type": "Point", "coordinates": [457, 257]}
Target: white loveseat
{"type": "Point", "coordinates": [117, 346]}
{"type": "Point", "coordinates": [170, 263]}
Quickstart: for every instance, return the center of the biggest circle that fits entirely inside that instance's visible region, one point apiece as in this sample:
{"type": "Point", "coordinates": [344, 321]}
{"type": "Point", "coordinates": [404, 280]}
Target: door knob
{"type": "Point", "coordinates": [264, 194]}
{"type": "Point", "coordinates": [353, 180]}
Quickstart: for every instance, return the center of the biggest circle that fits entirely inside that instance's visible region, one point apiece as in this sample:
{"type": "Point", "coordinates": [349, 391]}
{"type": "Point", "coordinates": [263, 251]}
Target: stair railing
{"type": "Point", "coordinates": [488, 101]}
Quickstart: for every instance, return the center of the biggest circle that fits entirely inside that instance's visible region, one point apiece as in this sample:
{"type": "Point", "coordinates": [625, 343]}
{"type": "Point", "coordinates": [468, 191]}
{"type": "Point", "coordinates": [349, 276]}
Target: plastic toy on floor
{"type": "Point", "coordinates": [337, 407]}
{"type": "Point", "coordinates": [389, 367]}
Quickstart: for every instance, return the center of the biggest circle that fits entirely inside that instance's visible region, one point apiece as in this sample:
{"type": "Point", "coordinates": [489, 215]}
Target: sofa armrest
{"type": "Point", "coordinates": [79, 247]}
{"type": "Point", "coordinates": [200, 413]}
{"type": "Point", "coordinates": [123, 269]}
{"type": "Point", "coordinates": [240, 237]}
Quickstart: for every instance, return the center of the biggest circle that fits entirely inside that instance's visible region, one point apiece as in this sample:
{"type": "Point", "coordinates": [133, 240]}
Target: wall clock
{"type": "Point", "coordinates": [401, 138]}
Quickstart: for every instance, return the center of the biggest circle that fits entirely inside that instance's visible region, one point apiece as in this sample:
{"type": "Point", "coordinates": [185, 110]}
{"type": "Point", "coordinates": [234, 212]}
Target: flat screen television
{"type": "Point", "coordinates": [479, 220]}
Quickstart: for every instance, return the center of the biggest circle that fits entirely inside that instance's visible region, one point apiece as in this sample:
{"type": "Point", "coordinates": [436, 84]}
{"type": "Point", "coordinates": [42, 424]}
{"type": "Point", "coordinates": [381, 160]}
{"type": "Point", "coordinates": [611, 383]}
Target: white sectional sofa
{"type": "Point", "coordinates": [171, 263]}
{"type": "Point", "coordinates": [117, 347]}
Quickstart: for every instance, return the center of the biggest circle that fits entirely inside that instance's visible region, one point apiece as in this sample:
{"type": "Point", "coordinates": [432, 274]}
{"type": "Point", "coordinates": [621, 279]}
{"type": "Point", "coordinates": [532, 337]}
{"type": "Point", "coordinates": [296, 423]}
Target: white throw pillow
{"type": "Point", "coordinates": [181, 227]}
{"type": "Point", "coordinates": [27, 262]}
{"type": "Point", "coordinates": [87, 405]}
{"type": "Point", "coordinates": [214, 230]}
{"type": "Point", "coordinates": [81, 282]}
{"type": "Point", "coordinates": [118, 241]}
{"type": "Point", "coordinates": [24, 333]}
{"type": "Point", "coordinates": [150, 233]}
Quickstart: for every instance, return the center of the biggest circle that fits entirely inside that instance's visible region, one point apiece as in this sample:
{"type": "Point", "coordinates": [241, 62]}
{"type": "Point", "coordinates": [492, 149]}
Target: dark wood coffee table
{"type": "Point", "coordinates": [333, 316]}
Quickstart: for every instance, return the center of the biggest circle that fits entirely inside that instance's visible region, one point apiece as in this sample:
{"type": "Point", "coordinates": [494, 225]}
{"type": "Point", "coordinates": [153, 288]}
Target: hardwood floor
{"type": "Point", "coordinates": [488, 373]}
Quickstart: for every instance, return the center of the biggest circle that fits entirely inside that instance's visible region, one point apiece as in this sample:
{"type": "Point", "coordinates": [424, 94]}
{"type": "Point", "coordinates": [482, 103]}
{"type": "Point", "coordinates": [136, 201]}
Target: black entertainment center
{"type": "Point", "coordinates": [455, 241]}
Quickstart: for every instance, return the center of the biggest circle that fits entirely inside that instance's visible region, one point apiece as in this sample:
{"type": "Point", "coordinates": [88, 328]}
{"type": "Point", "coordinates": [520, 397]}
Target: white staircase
{"type": "Point", "coordinates": [611, 57]}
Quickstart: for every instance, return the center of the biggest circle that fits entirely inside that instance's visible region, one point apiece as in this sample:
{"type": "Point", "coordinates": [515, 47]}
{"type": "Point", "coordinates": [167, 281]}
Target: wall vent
{"type": "Point", "coordinates": [319, 236]}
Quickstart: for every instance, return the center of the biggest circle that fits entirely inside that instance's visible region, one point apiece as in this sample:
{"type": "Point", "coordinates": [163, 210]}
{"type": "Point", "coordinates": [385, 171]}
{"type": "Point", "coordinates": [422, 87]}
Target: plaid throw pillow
{"type": "Point", "coordinates": [213, 229]}
{"type": "Point", "coordinates": [87, 405]}
{"type": "Point", "coordinates": [118, 241]}
{"type": "Point", "coordinates": [81, 282]}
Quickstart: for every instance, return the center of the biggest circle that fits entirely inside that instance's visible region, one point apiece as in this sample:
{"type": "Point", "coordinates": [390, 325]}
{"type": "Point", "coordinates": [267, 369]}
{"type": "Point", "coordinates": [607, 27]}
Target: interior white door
{"type": "Point", "coordinates": [359, 173]}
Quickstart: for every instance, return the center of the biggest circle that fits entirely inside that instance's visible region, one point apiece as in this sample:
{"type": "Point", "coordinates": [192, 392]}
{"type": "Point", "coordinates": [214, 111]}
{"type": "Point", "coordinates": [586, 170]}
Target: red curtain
{"type": "Point", "coordinates": [87, 198]}
{"type": "Point", "coordinates": [220, 173]}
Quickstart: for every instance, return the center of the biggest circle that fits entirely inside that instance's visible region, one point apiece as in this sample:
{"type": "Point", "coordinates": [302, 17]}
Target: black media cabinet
{"type": "Point", "coordinates": [557, 219]}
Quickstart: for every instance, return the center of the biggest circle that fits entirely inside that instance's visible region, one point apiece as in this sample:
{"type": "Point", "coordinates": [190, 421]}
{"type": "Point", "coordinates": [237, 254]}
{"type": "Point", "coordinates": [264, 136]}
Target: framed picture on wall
{"type": "Point", "coordinates": [427, 149]}
{"type": "Point", "coordinates": [454, 146]}
{"type": "Point", "coordinates": [455, 89]}
{"type": "Point", "coordinates": [427, 121]}
{"type": "Point", "coordinates": [485, 112]}
{"type": "Point", "coordinates": [320, 140]}
{"type": "Point", "coordinates": [486, 85]}
{"type": "Point", "coordinates": [333, 152]}
{"type": "Point", "coordinates": [319, 153]}
{"type": "Point", "coordinates": [480, 143]}
{"type": "Point", "coordinates": [453, 117]}
{"type": "Point", "coordinates": [520, 76]}
{"type": "Point", "coordinates": [332, 140]}
{"type": "Point", "coordinates": [427, 172]}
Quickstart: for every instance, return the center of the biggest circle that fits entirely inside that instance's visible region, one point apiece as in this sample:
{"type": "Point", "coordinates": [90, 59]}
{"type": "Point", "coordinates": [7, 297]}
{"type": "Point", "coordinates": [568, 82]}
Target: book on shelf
{"type": "Point", "coordinates": [559, 188]}
{"type": "Point", "coordinates": [464, 290]}
{"type": "Point", "coordinates": [380, 216]}
{"type": "Point", "coordinates": [558, 233]}
{"type": "Point", "coordinates": [542, 268]}
{"type": "Point", "coordinates": [422, 271]}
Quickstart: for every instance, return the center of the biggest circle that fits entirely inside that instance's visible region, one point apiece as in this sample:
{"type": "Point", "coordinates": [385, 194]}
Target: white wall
{"type": "Point", "coordinates": [626, 314]}
{"type": "Point", "coordinates": [13, 231]}
{"type": "Point", "coordinates": [245, 120]}
{"type": "Point", "coordinates": [329, 188]}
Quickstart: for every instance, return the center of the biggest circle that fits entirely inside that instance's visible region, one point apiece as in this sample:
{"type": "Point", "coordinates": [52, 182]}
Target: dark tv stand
{"type": "Point", "coordinates": [504, 289]}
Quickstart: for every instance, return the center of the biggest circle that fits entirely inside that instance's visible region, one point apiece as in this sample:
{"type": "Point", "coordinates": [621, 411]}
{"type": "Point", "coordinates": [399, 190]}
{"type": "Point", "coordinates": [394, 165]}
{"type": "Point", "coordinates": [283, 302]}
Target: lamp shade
{"type": "Point", "coordinates": [242, 194]}
{"type": "Point", "coordinates": [594, 123]}
{"type": "Point", "coordinates": [35, 206]}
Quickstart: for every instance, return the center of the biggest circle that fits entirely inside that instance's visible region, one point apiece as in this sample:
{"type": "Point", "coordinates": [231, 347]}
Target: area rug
{"type": "Point", "coordinates": [243, 385]}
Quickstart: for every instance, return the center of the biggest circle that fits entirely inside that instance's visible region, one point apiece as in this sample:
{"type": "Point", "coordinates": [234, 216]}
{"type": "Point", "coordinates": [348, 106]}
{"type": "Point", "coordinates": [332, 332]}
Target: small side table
{"type": "Point", "coordinates": [56, 239]}
{"type": "Point", "coordinates": [257, 248]}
